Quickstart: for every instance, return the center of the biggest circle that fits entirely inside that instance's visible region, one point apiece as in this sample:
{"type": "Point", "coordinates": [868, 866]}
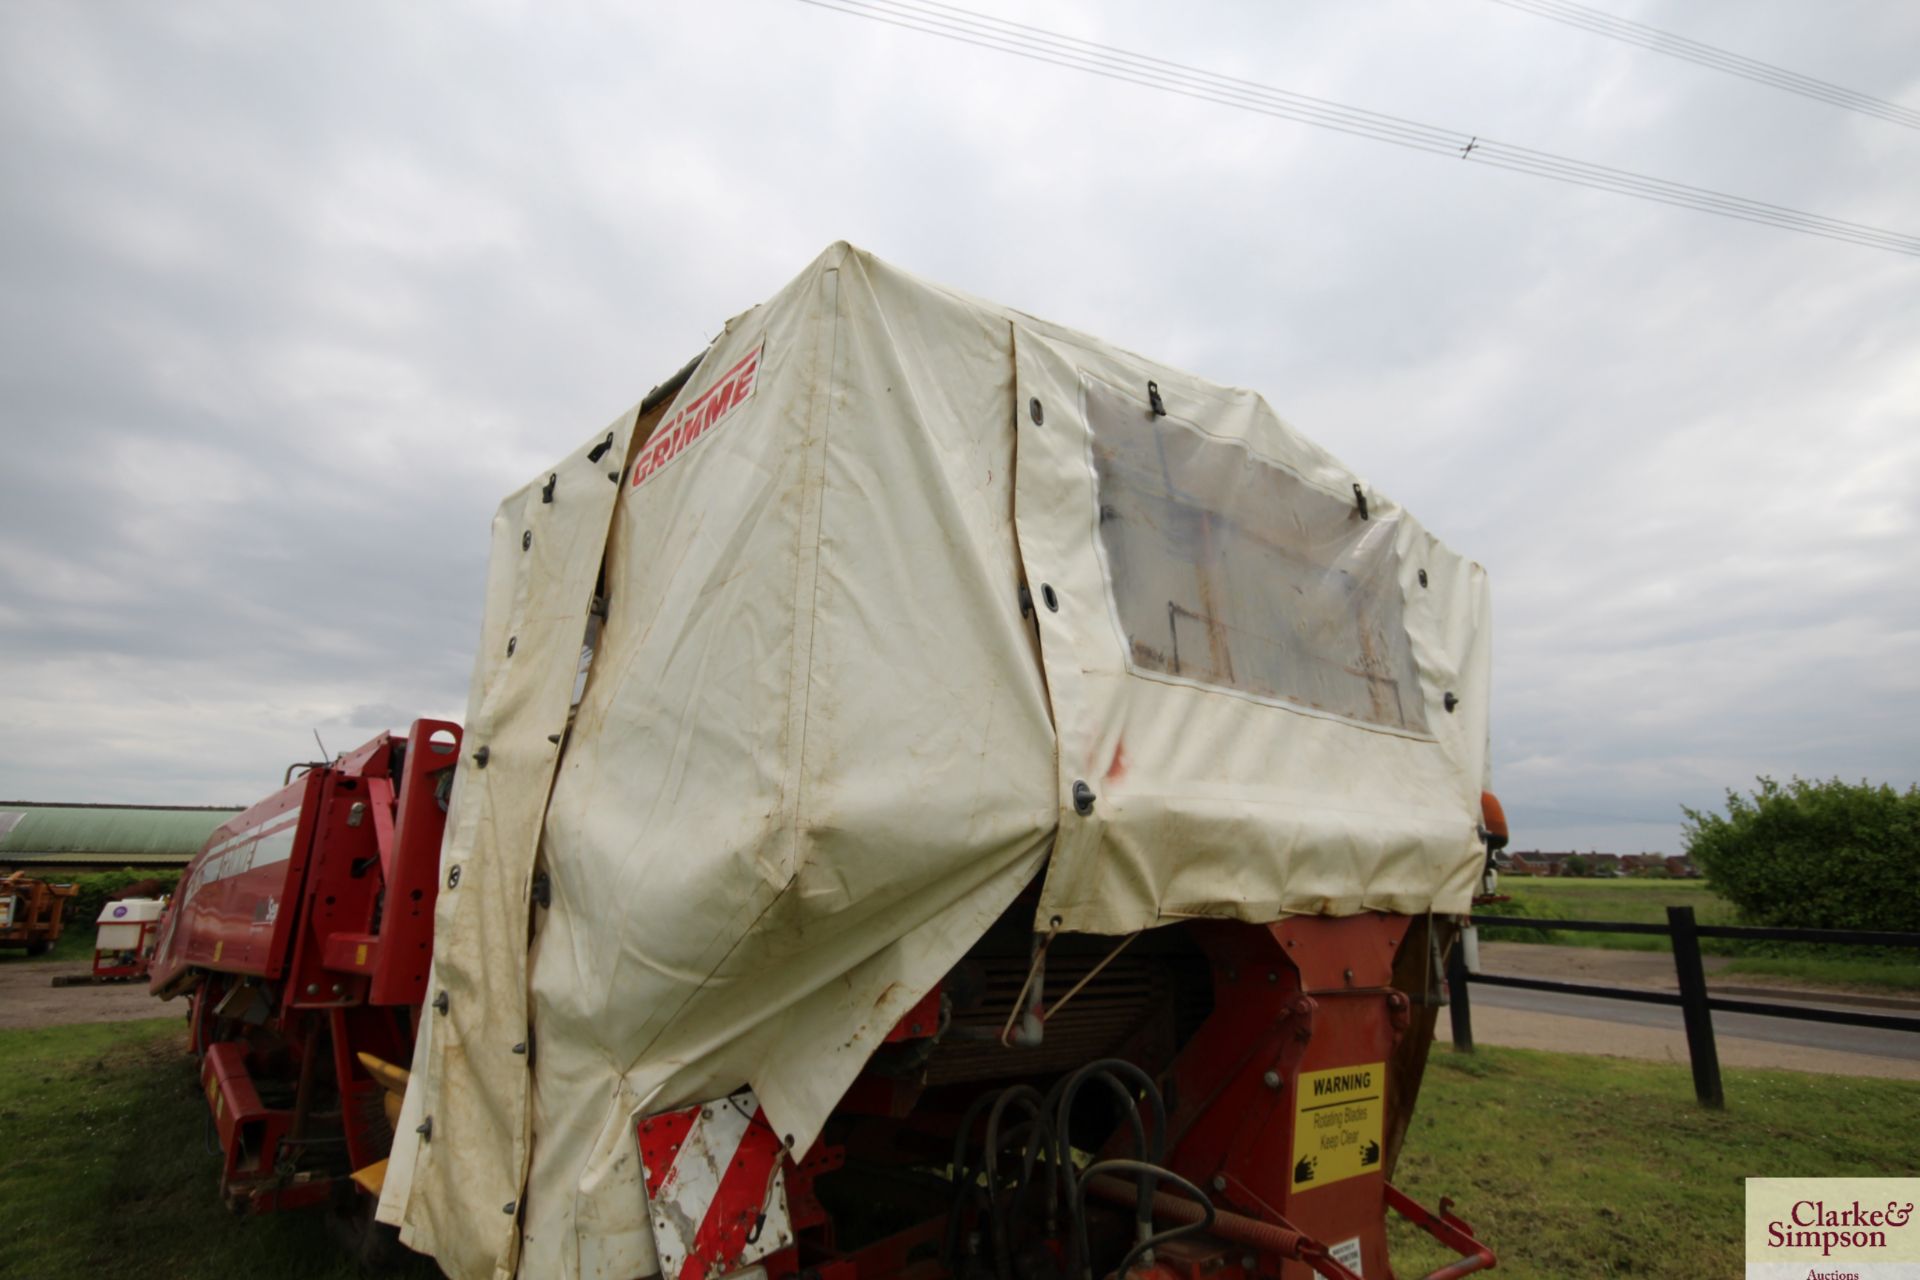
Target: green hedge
{"type": "Point", "coordinates": [1815, 855]}
{"type": "Point", "coordinates": [98, 887]}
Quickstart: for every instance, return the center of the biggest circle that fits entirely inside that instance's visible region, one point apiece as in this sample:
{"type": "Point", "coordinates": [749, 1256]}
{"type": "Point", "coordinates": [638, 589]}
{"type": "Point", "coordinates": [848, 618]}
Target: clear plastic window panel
{"type": "Point", "coordinates": [1227, 570]}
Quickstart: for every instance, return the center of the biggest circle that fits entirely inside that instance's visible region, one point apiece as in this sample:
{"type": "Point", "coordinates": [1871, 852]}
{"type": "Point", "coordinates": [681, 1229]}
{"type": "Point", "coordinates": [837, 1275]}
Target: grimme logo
{"type": "Point", "coordinates": [688, 424]}
{"type": "Point", "coordinates": [1811, 1224]}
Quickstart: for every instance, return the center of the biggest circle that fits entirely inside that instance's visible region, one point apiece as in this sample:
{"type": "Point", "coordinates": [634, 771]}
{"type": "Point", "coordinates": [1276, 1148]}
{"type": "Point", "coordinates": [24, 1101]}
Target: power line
{"type": "Point", "coordinates": [1706, 55]}
{"type": "Point", "coordinates": [965, 26]}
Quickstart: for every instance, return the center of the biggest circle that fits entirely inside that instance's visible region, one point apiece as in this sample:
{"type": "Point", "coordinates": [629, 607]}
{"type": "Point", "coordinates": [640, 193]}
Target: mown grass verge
{"type": "Point", "coordinates": [1575, 1167]}
{"type": "Point", "coordinates": [1825, 971]}
{"type": "Point", "coordinates": [108, 1173]}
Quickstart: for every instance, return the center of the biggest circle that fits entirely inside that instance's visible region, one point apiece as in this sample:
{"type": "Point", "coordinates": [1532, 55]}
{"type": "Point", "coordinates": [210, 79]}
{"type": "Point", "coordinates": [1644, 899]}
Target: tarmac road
{"type": "Point", "coordinates": [1742, 1026]}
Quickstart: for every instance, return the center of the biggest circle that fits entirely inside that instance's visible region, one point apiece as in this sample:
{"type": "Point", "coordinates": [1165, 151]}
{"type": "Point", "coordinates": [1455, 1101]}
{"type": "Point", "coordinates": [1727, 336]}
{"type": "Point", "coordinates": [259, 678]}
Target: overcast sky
{"type": "Point", "coordinates": [291, 295]}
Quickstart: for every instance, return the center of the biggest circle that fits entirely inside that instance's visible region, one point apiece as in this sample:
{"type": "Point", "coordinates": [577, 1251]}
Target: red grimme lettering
{"type": "Point", "coordinates": [696, 419]}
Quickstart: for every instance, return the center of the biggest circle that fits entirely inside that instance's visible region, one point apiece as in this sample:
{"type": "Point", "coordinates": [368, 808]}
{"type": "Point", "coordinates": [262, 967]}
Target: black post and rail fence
{"type": "Point", "coordinates": [1697, 1005]}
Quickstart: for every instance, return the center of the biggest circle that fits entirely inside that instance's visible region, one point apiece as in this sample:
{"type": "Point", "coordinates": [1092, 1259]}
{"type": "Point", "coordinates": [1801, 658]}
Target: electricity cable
{"type": "Point", "coordinates": [964, 26]}
{"type": "Point", "coordinates": [1715, 58]}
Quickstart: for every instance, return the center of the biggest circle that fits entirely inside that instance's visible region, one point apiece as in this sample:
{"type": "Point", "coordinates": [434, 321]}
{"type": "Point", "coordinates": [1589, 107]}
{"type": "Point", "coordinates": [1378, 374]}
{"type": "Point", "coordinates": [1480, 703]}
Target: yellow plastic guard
{"type": "Point", "coordinates": [391, 1078]}
{"type": "Point", "coordinates": [372, 1178]}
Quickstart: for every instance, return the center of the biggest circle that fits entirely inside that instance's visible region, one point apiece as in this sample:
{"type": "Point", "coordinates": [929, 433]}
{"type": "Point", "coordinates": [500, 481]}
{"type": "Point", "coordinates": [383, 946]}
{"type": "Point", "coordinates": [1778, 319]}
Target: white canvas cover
{"type": "Point", "coordinates": [820, 747]}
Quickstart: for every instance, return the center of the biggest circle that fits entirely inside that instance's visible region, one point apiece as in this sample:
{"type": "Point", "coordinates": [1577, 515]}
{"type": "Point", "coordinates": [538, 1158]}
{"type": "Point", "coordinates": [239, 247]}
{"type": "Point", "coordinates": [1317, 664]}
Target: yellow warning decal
{"type": "Point", "coordinates": [1339, 1120]}
{"type": "Point", "coordinates": [360, 956]}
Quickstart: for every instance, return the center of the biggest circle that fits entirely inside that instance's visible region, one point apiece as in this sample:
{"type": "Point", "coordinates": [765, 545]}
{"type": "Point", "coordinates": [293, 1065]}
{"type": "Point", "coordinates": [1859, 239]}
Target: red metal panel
{"type": "Point", "coordinates": [1342, 953]}
{"type": "Point", "coordinates": [250, 1132]}
{"type": "Point", "coordinates": [413, 873]}
{"type": "Point", "coordinates": [919, 1022]}
{"type": "Point", "coordinates": [233, 912]}
{"type": "Point", "coordinates": [230, 1092]}
{"type": "Point", "coordinates": [1306, 995]}
{"type": "Point", "coordinates": [343, 884]}
{"type": "Point", "coordinates": [355, 953]}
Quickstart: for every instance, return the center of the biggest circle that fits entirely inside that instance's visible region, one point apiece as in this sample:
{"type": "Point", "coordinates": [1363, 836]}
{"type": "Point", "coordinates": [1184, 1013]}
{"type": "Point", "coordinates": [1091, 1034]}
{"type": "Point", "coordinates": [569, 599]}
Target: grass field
{"type": "Point", "coordinates": [1574, 1167]}
{"type": "Point", "coordinates": [1624, 899]}
{"type": "Point", "coordinates": [1646, 901]}
{"type": "Point", "coordinates": [1570, 1166]}
{"type": "Point", "coordinates": [107, 1171]}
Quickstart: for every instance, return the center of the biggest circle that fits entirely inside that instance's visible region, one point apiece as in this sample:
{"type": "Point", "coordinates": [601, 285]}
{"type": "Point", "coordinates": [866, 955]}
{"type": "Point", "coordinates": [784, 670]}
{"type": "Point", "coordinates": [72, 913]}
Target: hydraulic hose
{"type": "Point", "coordinates": [1195, 1215]}
{"type": "Point", "coordinates": [1252, 1232]}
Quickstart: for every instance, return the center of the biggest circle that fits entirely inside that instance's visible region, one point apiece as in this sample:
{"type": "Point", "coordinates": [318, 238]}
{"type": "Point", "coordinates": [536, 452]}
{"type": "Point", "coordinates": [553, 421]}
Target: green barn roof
{"type": "Point", "coordinates": [104, 835]}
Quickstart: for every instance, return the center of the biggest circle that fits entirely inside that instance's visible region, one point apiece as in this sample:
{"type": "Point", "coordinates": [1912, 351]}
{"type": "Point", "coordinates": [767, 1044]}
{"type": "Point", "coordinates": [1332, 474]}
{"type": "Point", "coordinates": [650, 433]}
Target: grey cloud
{"type": "Point", "coordinates": [296, 294]}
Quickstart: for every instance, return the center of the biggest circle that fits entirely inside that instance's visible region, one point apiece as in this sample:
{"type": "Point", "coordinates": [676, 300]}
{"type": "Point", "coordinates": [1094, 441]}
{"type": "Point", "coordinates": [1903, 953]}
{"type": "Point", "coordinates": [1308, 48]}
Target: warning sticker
{"type": "Point", "coordinates": [1338, 1123]}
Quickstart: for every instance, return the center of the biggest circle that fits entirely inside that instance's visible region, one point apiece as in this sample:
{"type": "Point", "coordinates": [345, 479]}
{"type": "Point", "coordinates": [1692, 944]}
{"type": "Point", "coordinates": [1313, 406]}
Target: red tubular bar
{"type": "Point", "coordinates": [1455, 1233]}
{"type": "Point", "coordinates": [1288, 1241]}
{"type": "Point", "coordinates": [1281, 1239]}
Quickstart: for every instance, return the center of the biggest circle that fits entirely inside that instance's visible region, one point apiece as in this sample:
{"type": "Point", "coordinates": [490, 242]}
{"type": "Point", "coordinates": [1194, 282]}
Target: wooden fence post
{"type": "Point", "coordinates": [1693, 1007]}
{"type": "Point", "coordinates": [1459, 1005]}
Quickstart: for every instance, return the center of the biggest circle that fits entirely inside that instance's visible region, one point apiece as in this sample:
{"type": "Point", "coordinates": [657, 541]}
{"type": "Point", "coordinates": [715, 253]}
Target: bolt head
{"type": "Point", "coordinates": [313, 988]}
{"type": "Point", "coordinates": [1271, 1079]}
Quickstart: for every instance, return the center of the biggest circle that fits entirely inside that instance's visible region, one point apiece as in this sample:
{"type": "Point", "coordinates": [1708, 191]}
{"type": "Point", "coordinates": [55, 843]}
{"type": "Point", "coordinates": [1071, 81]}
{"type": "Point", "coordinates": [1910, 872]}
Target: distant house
{"type": "Point", "coordinates": [1535, 862]}
{"type": "Point", "coordinates": [1561, 862]}
{"type": "Point", "coordinates": [80, 836]}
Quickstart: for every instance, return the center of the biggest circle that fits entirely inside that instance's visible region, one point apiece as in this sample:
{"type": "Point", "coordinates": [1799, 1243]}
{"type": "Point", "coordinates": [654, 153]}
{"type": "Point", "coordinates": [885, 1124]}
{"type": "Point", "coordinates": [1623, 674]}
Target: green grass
{"type": "Point", "coordinates": [1833, 972]}
{"type": "Point", "coordinates": [1569, 1166]}
{"type": "Point", "coordinates": [1636, 901]}
{"type": "Point", "coordinates": [1646, 901]}
{"type": "Point", "coordinates": [1574, 1167]}
{"type": "Point", "coordinates": [1639, 901]}
{"type": "Point", "coordinates": [107, 1172]}
{"type": "Point", "coordinates": [76, 943]}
